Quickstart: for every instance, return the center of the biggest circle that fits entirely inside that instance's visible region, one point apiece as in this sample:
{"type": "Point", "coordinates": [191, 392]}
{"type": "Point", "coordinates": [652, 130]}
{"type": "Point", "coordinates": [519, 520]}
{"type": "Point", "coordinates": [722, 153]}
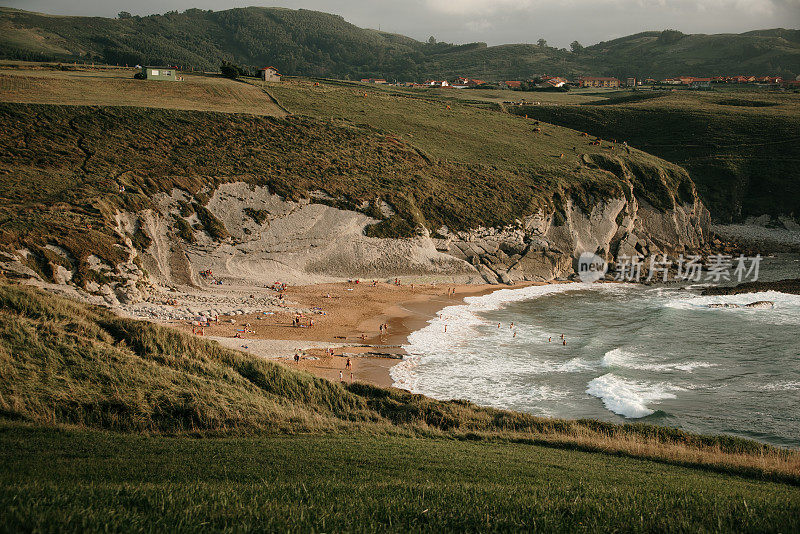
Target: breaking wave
{"type": "Point", "coordinates": [629, 398]}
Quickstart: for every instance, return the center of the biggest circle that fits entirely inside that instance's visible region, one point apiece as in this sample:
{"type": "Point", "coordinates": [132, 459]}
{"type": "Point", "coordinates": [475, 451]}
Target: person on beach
{"type": "Point", "coordinates": [296, 357]}
{"type": "Point", "coordinates": [341, 378]}
{"type": "Point", "coordinates": [445, 329]}
{"type": "Point", "coordinates": [351, 377]}
{"type": "Point", "coordinates": [348, 364]}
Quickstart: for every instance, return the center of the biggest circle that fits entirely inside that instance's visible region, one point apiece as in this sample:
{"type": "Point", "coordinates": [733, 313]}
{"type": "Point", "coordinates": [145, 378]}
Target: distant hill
{"type": "Point", "coordinates": [312, 43]}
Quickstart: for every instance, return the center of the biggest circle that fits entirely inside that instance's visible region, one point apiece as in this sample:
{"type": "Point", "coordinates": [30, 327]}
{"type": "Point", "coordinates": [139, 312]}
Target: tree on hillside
{"type": "Point", "coordinates": [542, 43]}
{"type": "Point", "coordinates": [669, 37]}
{"type": "Point", "coordinates": [229, 70]}
{"type": "Point", "coordinates": [431, 40]}
{"type": "Point", "coordinates": [576, 47]}
{"type": "Point", "coordinates": [124, 15]}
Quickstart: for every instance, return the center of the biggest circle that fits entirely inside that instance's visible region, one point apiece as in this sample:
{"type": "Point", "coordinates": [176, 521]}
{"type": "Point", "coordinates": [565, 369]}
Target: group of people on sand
{"type": "Point", "coordinates": [278, 286]}
{"type": "Point", "coordinates": [301, 321]}
{"type": "Point", "coordinates": [384, 329]}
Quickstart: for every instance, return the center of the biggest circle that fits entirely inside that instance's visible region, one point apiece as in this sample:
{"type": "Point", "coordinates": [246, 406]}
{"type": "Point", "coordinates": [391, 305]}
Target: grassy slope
{"type": "Point", "coordinates": [743, 159]}
{"type": "Point", "coordinates": [318, 44]}
{"type": "Point", "coordinates": [449, 125]}
{"type": "Point", "coordinates": [73, 480]}
{"type": "Point", "coordinates": [116, 87]}
{"type": "Point", "coordinates": [282, 450]}
{"type": "Point", "coordinates": [63, 362]}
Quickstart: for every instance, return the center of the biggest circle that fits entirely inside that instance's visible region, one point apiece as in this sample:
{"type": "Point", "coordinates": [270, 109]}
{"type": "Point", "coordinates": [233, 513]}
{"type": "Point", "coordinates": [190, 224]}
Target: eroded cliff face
{"type": "Point", "coordinates": [547, 246]}
{"type": "Point", "coordinates": [268, 239]}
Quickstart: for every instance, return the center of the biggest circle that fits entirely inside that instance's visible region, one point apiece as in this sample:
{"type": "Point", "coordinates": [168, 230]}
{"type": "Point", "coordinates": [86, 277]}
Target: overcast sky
{"type": "Point", "coordinates": [492, 21]}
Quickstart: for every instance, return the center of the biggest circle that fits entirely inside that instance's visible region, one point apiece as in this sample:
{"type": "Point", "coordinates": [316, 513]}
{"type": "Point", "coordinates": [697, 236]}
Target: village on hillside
{"type": "Point", "coordinates": [545, 82]}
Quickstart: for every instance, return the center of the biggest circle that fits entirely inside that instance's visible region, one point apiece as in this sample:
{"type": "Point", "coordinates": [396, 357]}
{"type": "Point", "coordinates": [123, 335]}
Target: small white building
{"type": "Point", "coordinates": [270, 74]}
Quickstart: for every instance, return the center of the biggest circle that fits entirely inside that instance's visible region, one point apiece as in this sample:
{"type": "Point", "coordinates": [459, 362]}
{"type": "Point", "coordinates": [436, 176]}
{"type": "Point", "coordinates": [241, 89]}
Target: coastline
{"type": "Point", "coordinates": [347, 319]}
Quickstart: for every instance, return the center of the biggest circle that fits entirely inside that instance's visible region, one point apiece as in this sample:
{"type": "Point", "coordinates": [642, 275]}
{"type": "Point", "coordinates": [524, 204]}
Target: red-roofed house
{"type": "Point", "coordinates": [270, 74]}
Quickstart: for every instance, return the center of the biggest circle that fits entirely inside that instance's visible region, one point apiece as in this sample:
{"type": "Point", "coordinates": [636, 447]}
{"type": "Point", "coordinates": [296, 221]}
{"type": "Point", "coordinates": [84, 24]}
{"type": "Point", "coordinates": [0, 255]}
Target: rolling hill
{"type": "Point", "coordinates": [303, 42]}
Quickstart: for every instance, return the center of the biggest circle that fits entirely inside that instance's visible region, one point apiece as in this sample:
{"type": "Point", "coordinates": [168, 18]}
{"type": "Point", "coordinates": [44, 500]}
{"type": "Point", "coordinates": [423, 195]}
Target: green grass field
{"type": "Point", "coordinates": [740, 147]}
{"type": "Point", "coordinates": [448, 124]}
{"type": "Point", "coordinates": [84, 86]}
{"type": "Point", "coordinates": [78, 480]}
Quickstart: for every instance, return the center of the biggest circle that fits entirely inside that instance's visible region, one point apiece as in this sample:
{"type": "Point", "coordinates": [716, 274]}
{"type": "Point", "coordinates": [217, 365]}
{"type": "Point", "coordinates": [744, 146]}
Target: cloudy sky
{"type": "Point", "coordinates": [493, 21]}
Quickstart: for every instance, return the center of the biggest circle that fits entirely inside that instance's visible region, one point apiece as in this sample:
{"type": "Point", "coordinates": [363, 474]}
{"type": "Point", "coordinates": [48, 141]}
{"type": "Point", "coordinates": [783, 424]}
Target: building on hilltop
{"type": "Point", "coordinates": [160, 73]}
{"type": "Point", "coordinates": [270, 74]}
{"type": "Point", "coordinates": [598, 81]}
{"type": "Point", "coordinates": [700, 83]}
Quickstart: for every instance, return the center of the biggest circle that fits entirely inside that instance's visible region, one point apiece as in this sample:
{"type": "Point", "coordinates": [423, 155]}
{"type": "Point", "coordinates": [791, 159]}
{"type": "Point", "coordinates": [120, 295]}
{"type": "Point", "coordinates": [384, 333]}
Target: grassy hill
{"type": "Point", "coordinates": [436, 160]}
{"type": "Point", "coordinates": [741, 149]}
{"type": "Point", "coordinates": [117, 87]}
{"type": "Point", "coordinates": [281, 449]}
{"type": "Point", "coordinates": [310, 43]}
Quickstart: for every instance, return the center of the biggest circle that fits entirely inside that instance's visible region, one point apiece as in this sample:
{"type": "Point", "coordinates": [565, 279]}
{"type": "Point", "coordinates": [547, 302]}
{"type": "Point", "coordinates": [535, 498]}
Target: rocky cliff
{"type": "Point", "coordinates": [273, 239]}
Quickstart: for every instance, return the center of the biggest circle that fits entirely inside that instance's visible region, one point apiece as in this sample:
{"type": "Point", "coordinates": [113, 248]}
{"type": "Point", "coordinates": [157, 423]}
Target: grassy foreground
{"type": "Point", "coordinates": [78, 480]}
{"type": "Point", "coordinates": [114, 424]}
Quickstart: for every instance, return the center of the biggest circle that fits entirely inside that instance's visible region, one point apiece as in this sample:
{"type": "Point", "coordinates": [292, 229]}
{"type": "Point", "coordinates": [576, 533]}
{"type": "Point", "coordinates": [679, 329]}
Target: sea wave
{"type": "Point", "coordinates": [622, 358]}
{"type": "Point", "coordinates": [462, 322]}
{"type": "Point", "coordinates": [629, 398]}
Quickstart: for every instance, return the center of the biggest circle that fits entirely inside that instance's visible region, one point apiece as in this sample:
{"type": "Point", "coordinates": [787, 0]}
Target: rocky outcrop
{"type": "Point", "coordinates": [542, 248]}
{"type": "Point", "coordinates": [268, 238]}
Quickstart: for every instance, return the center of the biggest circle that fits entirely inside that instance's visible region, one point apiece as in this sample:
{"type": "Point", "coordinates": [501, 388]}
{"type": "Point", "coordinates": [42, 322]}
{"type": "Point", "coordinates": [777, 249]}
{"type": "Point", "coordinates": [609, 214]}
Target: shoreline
{"type": "Point", "coordinates": [346, 318]}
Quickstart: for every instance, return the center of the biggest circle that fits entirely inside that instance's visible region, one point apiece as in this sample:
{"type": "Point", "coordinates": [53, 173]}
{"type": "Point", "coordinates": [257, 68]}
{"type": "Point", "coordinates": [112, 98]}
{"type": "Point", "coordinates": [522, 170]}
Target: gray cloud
{"type": "Point", "coordinates": [494, 21]}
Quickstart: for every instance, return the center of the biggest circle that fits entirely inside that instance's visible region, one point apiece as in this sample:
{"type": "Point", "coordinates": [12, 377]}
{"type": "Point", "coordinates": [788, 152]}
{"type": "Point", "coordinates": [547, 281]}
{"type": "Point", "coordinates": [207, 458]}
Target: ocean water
{"type": "Point", "coordinates": [653, 354]}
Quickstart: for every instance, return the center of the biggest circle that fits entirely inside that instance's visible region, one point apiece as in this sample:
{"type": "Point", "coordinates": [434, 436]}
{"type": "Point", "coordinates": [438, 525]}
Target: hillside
{"type": "Point", "coordinates": [281, 448]}
{"type": "Point", "coordinates": [303, 42]}
{"type": "Point", "coordinates": [741, 149]}
{"type": "Point", "coordinates": [115, 198]}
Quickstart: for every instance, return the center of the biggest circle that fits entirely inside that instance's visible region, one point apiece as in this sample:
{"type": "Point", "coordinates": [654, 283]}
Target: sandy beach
{"type": "Point", "coordinates": [346, 318]}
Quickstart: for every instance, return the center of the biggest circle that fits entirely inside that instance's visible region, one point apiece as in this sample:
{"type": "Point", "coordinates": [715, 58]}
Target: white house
{"type": "Point", "coordinates": [270, 74]}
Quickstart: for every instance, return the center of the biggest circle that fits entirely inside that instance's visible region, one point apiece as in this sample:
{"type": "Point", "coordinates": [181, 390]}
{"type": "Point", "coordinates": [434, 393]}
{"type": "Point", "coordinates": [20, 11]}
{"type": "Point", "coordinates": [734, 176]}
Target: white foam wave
{"type": "Point", "coordinates": [462, 322]}
{"type": "Point", "coordinates": [630, 360]}
{"type": "Point", "coordinates": [629, 398]}
{"type": "Point", "coordinates": [786, 310]}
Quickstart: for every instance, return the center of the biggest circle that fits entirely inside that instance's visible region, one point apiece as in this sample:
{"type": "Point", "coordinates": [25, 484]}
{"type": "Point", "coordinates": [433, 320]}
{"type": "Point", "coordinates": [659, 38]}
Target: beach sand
{"type": "Point", "coordinates": [347, 319]}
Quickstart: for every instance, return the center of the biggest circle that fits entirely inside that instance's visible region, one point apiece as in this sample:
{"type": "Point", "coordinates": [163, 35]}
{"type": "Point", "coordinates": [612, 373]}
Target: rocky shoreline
{"type": "Point", "coordinates": [789, 285]}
